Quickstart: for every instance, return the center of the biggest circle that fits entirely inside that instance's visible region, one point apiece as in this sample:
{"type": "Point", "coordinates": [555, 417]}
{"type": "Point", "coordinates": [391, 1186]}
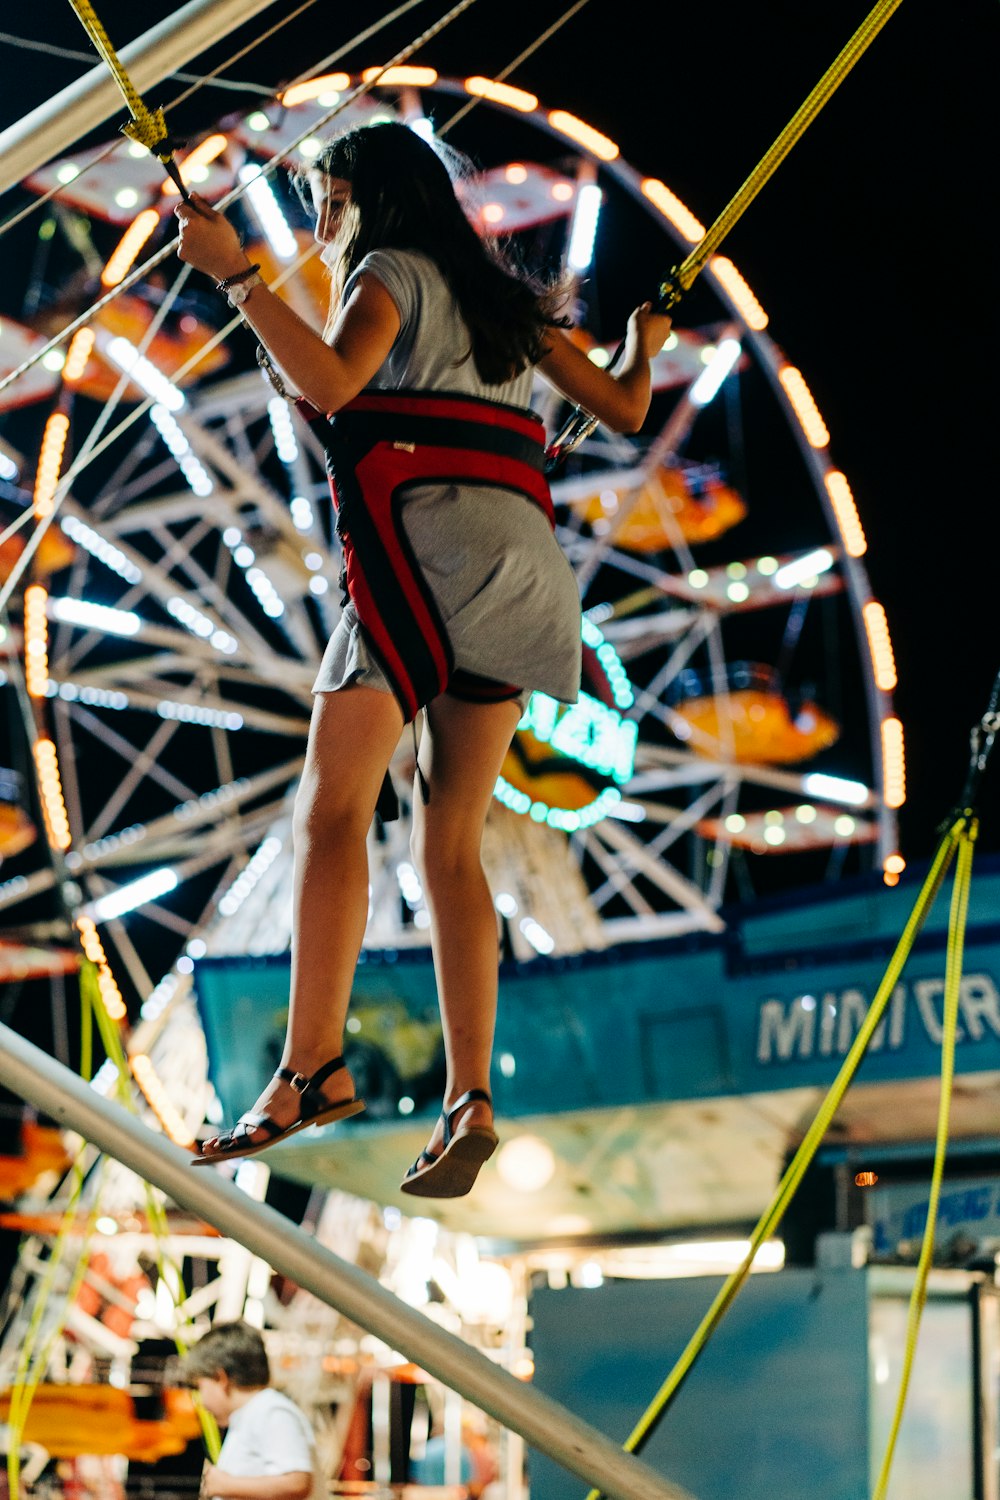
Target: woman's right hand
{"type": "Point", "coordinates": [649, 330]}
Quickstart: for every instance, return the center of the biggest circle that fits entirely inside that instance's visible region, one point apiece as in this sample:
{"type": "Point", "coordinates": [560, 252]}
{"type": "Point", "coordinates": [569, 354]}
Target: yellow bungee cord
{"type": "Point", "coordinates": [580, 424]}
{"type": "Point", "coordinates": [147, 127]}
{"type": "Point", "coordinates": [959, 836]}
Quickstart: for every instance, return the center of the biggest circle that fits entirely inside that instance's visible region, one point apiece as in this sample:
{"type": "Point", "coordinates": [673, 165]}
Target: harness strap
{"type": "Point", "coordinates": [378, 447]}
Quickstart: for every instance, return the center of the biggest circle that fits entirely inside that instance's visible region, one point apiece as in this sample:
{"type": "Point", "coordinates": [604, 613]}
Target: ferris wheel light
{"type": "Point", "coordinates": [846, 513]}
{"type": "Point", "coordinates": [312, 88]}
{"type": "Point", "coordinates": [128, 246]}
{"type": "Point", "coordinates": [880, 645]}
{"type": "Point", "coordinates": [418, 78]}
{"type": "Point", "coordinates": [194, 167]}
{"type": "Point", "coordinates": [36, 641]}
{"type": "Point", "coordinates": [893, 763]}
{"type": "Point", "coordinates": [731, 280]}
{"type": "Point", "coordinates": [50, 463]}
{"type": "Point", "coordinates": [268, 212]}
{"type": "Point", "coordinates": [804, 569]}
{"type": "Point", "coordinates": [144, 373]}
{"type": "Point", "coordinates": [95, 616]}
{"type": "Point", "coordinates": [98, 546]}
{"type": "Point", "coordinates": [585, 135]}
{"type": "Point", "coordinates": [804, 407]}
{"type": "Point", "coordinates": [501, 93]}
{"type": "Point", "coordinates": [672, 208]}
{"type": "Point", "coordinates": [584, 231]}
{"type": "Point", "coordinates": [193, 470]}
{"type": "Point", "coordinates": [710, 380]}
{"type": "Point", "coordinates": [835, 789]}
{"type": "Point", "coordinates": [137, 893]}
{"type": "Point", "coordinates": [78, 354]}
{"type": "Point", "coordinates": [50, 789]}
{"type": "Point", "coordinates": [627, 812]}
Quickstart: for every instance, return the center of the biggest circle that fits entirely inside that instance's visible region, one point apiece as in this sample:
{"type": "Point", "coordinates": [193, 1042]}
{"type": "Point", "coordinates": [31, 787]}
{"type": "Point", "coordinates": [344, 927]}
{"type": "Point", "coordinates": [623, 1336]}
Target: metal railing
{"type": "Point", "coordinates": [542, 1422]}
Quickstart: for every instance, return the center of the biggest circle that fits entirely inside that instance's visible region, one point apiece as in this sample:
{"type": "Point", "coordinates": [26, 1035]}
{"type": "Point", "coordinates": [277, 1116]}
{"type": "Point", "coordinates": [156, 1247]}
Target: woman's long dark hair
{"type": "Point", "coordinates": [403, 198]}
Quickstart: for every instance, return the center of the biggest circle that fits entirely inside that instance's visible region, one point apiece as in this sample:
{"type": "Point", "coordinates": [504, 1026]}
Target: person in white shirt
{"type": "Point", "coordinates": [268, 1452]}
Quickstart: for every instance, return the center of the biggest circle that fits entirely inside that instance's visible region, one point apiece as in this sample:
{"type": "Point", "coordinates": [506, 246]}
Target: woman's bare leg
{"type": "Point", "coordinates": [461, 755]}
{"type": "Point", "coordinates": [352, 736]}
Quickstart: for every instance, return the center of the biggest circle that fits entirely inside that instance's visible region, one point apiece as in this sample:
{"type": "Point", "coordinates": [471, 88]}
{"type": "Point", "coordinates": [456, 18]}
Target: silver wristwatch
{"type": "Point", "coordinates": [237, 294]}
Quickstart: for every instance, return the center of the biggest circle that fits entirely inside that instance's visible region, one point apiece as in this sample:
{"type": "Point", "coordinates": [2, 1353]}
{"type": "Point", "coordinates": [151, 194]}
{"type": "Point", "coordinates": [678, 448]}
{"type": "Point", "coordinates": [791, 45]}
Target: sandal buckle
{"type": "Point", "coordinates": [299, 1082]}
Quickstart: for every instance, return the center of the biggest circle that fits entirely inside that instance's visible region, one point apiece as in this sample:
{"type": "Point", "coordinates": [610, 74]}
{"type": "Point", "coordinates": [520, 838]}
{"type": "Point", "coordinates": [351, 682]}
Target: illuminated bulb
{"type": "Point", "coordinates": [584, 229]}
{"type": "Point", "coordinates": [128, 897]}
{"type": "Point", "coordinates": [742, 298]}
{"type": "Point", "coordinates": [721, 361]}
{"type": "Point", "coordinates": [516, 173]}
{"type": "Point", "coordinates": [501, 93]}
{"type": "Point", "coordinates": [804, 407]}
{"type": "Point", "coordinates": [269, 213]}
{"type": "Point", "coordinates": [312, 88]}
{"type": "Point", "coordinates": [672, 208]}
{"type": "Point", "coordinates": [893, 763]}
{"type": "Point", "coordinates": [50, 463]}
{"type": "Point", "coordinates": [526, 1163]}
{"type": "Point", "coordinates": [77, 355]}
{"type": "Point", "coordinates": [585, 135]}
{"type": "Point", "coordinates": [194, 167]}
{"type": "Point", "coordinates": [803, 571]}
{"type": "Point", "coordinates": [50, 788]}
{"type": "Point", "coordinates": [846, 513]}
{"type": "Point", "coordinates": [880, 645]}
{"type": "Point", "coordinates": [836, 789]}
{"type": "Point", "coordinates": [420, 78]}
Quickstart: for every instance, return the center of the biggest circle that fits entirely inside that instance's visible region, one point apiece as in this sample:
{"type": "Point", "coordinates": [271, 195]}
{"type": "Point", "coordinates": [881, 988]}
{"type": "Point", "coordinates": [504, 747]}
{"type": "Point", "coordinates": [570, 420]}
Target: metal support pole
{"type": "Point", "coordinates": [48, 130]}
{"type": "Point", "coordinates": [549, 1427]}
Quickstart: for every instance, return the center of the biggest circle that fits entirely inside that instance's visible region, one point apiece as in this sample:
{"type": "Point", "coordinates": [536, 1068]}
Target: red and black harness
{"type": "Point", "coordinates": [377, 448]}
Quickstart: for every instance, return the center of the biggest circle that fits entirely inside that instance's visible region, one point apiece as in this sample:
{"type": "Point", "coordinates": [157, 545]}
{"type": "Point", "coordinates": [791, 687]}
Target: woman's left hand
{"type": "Point", "coordinates": [208, 240]}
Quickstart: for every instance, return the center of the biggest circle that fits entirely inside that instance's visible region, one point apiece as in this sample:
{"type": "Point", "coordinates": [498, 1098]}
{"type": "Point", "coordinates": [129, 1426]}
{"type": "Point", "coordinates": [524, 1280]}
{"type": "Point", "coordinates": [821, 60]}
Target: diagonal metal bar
{"type": "Point", "coordinates": [544, 1423]}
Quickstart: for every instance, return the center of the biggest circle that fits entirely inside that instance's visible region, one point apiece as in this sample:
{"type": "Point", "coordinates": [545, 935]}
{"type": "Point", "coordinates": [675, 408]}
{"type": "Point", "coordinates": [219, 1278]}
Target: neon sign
{"type": "Point", "coordinates": [591, 735]}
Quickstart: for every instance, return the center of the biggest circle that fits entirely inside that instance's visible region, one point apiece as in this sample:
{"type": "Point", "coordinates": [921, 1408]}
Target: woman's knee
{"type": "Point", "coordinates": [323, 811]}
{"type": "Point", "coordinates": [445, 858]}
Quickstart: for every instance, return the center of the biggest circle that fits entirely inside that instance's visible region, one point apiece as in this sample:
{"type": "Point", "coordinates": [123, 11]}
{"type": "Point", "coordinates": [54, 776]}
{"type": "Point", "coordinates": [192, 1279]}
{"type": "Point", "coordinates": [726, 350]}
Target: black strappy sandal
{"type": "Point", "coordinates": [452, 1172]}
{"type": "Point", "coordinates": [314, 1109]}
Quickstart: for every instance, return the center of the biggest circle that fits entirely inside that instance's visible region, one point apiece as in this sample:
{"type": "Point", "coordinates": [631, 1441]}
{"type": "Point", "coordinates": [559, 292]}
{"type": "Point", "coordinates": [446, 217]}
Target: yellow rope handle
{"type": "Point", "coordinates": [952, 989]}
{"type": "Point", "coordinates": [148, 127]}
{"type": "Point", "coordinates": [773, 1215]}
{"type": "Point", "coordinates": [683, 277]}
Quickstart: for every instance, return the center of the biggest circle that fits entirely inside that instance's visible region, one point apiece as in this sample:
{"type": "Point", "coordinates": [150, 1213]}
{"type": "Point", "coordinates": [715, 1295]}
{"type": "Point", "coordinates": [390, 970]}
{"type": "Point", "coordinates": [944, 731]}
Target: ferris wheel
{"type": "Point", "coordinates": [736, 714]}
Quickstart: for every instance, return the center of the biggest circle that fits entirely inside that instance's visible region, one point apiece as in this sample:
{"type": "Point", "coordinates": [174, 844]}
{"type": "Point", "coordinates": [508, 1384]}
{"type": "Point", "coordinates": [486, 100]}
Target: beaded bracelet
{"type": "Point", "coordinates": [237, 276]}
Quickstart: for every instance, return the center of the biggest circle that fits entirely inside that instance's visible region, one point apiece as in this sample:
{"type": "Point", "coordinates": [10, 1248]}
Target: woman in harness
{"type": "Point", "coordinates": [459, 601]}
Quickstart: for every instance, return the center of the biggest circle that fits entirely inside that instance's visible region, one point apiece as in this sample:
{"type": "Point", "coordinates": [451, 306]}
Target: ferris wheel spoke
{"type": "Point", "coordinates": [105, 735]}
{"type": "Point", "coordinates": [142, 762]}
{"type": "Point", "coordinates": [617, 882]}
{"type": "Point", "coordinates": [635, 855]}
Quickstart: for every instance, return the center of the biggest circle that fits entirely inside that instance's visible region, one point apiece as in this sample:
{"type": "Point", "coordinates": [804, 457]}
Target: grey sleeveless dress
{"type": "Point", "coordinates": [501, 583]}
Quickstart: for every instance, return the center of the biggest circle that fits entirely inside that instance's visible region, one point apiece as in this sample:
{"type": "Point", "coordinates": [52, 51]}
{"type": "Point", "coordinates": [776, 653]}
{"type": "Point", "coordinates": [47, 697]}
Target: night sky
{"type": "Point", "coordinates": [869, 249]}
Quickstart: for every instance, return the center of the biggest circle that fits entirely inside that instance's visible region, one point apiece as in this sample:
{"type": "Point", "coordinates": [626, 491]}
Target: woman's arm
{"type": "Point", "coordinates": [327, 374]}
{"type": "Point", "coordinates": [620, 400]}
